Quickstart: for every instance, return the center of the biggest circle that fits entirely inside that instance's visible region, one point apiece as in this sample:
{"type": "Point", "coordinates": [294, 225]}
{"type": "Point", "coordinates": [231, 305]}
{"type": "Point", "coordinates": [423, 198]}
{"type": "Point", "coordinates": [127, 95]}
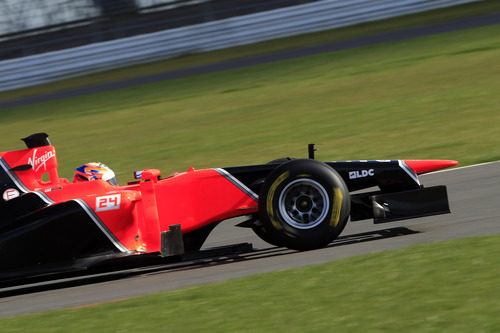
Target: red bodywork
{"type": "Point", "coordinates": [137, 214]}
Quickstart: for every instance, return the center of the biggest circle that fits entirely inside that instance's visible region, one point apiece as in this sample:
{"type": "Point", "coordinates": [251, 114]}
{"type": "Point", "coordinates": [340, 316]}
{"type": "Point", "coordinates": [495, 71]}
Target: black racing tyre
{"type": "Point", "coordinates": [304, 205]}
{"type": "Point", "coordinates": [257, 185]}
{"type": "Point", "coordinates": [266, 236]}
{"type": "Point", "coordinates": [260, 230]}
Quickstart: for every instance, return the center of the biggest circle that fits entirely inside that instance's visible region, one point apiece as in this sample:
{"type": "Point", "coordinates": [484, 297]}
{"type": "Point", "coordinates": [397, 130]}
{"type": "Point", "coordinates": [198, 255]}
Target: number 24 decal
{"type": "Point", "coordinates": [108, 202]}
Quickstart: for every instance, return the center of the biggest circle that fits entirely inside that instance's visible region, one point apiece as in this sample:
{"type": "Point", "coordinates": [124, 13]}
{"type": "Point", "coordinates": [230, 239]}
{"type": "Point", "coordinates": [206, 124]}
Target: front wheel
{"type": "Point", "coordinates": [304, 204]}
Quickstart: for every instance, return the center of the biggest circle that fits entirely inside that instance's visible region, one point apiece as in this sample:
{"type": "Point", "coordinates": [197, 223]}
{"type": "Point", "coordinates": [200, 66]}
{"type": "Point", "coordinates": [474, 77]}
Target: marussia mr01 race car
{"type": "Point", "coordinates": [51, 225]}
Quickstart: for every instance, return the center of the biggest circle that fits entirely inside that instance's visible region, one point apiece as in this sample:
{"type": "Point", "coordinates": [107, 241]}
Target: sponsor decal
{"type": "Point", "coordinates": [361, 174]}
{"type": "Point", "coordinates": [108, 202]}
{"type": "Point", "coordinates": [10, 193]}
{"type": "Point", "coordinates": [38, 161]}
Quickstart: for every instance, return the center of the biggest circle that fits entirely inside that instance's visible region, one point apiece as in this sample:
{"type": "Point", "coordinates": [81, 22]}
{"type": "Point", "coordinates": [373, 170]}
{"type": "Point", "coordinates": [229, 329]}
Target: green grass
{"type": "Point", "coordinates": [431, 97]}
{"type": "Point", "coordinates": [440, 287]}
{"type": "Point", "coordinates": [265, 47]}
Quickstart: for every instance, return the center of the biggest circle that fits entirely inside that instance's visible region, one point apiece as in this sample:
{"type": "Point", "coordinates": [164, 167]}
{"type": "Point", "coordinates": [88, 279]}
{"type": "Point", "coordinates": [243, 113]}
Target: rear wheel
{"type": "Point", "coordinates": [304, 204]}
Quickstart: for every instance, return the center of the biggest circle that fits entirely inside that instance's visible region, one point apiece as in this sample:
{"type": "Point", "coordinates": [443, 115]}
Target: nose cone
{"type": "Point", "coordinates": [423, 166]}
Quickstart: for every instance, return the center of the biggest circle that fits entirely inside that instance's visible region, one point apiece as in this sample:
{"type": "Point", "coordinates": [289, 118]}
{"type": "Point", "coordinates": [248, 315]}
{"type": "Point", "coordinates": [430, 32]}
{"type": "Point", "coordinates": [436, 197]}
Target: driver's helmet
{"type": "Point", "coordinates": [94, 171]}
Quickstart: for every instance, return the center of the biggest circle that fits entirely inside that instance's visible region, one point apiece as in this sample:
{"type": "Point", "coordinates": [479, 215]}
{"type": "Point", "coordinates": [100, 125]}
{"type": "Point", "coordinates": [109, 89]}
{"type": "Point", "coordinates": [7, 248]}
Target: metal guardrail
{"type": "Point", "coordinates": [116, 24]}
{"type": "Point", "coordinates": [247, 29]}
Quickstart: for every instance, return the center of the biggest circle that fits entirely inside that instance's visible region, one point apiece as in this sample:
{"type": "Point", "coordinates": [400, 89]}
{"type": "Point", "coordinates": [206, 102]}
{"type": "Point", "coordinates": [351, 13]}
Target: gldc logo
{"type": "Point", "coordinates": [361, 174]}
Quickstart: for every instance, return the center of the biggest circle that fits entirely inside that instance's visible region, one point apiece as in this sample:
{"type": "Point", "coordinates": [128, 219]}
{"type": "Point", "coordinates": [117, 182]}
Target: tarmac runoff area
{"type": "Point", "coordinates": [391, 36]}
{"type": "Point", "coordinates": [473, 194]}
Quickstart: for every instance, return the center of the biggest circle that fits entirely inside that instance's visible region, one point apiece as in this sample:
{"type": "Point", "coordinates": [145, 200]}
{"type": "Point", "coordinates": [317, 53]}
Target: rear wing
{"type": "Point", "coordinates": [34, 168]}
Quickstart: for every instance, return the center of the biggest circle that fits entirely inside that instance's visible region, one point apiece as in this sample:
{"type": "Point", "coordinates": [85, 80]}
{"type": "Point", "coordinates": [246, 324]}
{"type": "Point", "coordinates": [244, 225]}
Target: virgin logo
{"type": "Point", "coordinates": [38, 161]}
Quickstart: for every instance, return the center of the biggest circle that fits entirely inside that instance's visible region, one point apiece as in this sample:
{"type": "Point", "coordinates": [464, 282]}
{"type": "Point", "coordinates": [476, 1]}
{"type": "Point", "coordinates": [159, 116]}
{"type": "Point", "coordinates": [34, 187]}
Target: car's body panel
{"type": "Point", "coordinates": [48, 223]}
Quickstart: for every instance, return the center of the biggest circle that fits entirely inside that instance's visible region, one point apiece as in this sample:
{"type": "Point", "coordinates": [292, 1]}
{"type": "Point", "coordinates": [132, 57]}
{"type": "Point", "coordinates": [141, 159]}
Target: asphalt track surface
{"type": "Point", "coordinates": [391, 36]}
{"type": "Point", "coordinates": [473, 194]}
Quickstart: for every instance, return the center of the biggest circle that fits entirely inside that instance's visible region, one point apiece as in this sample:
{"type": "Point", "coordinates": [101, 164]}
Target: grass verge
{"type": "Point", "coordinates": [430, 97]}
{"type": "Point", "coordinates": [440, 287]}
{"type": "Point", "coordinates": [192, 60]}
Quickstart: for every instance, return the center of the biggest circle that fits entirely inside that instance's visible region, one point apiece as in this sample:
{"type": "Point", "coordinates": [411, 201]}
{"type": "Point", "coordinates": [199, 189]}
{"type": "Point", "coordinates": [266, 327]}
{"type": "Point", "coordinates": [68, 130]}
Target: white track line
{"type": "Point", "coordinates": [460, 168]}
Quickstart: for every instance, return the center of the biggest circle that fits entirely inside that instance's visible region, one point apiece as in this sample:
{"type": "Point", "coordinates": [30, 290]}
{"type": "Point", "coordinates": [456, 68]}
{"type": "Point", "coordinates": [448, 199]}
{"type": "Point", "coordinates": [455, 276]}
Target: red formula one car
{"type": "Point", "coordinates": [49, 224]}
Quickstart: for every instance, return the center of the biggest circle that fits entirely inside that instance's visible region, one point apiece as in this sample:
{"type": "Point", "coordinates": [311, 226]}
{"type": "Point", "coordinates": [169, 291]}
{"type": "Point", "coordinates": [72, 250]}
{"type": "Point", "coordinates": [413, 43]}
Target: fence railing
{"type": "Point", "coordinates": [241, 30]}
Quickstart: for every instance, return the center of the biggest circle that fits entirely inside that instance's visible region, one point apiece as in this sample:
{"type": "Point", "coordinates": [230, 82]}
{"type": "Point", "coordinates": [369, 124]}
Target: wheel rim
{"type": "Point", "coordinates": [304, 203]}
